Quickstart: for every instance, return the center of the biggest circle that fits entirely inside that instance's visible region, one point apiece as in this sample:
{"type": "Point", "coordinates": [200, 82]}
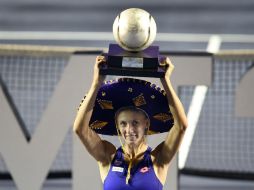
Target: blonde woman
{"type": "Point", "coordinates": [131, 109]}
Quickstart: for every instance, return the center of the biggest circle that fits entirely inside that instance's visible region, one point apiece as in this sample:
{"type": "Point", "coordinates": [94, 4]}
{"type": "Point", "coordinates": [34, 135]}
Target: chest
{"type": "Point", "coordinates": [142, 176]}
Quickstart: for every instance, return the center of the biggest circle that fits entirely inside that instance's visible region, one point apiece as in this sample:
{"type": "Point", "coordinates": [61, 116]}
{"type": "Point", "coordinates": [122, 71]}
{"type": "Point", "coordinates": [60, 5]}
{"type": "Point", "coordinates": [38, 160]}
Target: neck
{"type": "Point", "coordinates": [133, 150]}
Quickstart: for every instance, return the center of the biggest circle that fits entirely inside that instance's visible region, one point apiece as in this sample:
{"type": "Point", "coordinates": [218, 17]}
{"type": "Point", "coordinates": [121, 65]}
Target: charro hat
{"type": "Point", "coordinates": [125, 92]}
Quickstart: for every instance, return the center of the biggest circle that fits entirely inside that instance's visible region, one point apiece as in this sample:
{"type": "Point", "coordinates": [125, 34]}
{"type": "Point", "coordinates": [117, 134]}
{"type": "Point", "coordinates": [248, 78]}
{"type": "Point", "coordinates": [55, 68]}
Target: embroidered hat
{"type": "Point", "coordinates": [125, 92]}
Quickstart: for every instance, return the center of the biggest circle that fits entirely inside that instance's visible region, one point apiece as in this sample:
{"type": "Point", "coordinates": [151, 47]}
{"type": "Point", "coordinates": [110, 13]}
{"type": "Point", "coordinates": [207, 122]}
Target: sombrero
{"type": "Point", "coordinates": [124, 92]}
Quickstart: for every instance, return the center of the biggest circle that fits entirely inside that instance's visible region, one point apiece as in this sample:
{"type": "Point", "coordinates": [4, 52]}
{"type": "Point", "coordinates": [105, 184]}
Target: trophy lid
{"type": "Point", "coordinates": [150, 52]}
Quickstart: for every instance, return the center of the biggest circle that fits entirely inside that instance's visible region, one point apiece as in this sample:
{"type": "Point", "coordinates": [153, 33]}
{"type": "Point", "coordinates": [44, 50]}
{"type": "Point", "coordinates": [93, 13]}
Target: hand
{"type": "Point", "coordinates": [97, 78]}
{"type": "Point", "coordinates": [169, 67]}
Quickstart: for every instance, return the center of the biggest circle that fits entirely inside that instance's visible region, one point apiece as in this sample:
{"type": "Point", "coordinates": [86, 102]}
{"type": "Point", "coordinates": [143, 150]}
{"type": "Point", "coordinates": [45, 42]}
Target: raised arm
{"type": "Point", "coordinates": [170, 146]}
{"type": "Point", "coordinates": [99, 149]}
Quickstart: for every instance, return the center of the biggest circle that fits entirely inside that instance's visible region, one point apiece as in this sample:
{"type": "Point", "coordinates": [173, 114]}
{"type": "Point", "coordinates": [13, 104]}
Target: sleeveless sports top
{"type": "Point", "coordinates": [142, 174]}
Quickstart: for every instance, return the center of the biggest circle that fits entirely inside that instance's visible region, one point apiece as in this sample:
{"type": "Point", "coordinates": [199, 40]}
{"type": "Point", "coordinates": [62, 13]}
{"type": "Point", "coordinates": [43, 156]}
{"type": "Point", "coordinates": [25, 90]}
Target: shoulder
{"type": "Point", "coordinates": [109, 150]}
{"type": "Point", "coordinates": [157, 155]}
{"type": "Point", "coordinates": [104, 166]}
{"type": "Point", "coordinates": [159, 164]}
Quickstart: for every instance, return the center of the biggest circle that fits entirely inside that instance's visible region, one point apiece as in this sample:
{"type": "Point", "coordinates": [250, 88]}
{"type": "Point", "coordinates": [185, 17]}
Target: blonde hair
{"type": "Point", "coordinates": [130, 108]}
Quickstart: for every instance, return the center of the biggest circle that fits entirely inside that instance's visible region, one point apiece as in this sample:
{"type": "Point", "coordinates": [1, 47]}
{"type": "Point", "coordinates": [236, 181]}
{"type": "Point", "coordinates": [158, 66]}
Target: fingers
{"type": "Point", "coordinates": [165, 61]}
{"type": "Point", "coordinates": [100, 58]}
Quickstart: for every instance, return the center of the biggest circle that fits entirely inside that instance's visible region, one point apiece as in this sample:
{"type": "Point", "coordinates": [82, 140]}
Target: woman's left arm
{"type": "Point", "coordinates": [174, 138]}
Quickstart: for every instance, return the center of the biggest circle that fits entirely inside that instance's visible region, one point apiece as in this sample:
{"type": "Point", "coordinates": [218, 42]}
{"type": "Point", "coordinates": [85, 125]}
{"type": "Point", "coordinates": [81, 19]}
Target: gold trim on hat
{"type": "Point", "coordinates": [139, 100]}
{"type": "Point", "coordinates": [105, 104]}
{"type": "Point", "coordinates": [98, 124]}
{"type": "Point", "coordinates": [164, 117]}
{"type": "Point", "coordinates": [130, 89]}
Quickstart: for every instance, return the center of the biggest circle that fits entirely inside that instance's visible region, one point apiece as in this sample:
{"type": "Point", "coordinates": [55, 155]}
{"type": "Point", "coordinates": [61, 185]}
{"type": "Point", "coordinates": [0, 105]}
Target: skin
{"type": "Point", "coordinates": [132, 127]}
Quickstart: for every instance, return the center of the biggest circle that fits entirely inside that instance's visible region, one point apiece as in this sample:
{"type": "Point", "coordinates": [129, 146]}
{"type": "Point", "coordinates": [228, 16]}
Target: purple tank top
{"type": "Point", "coordinates": [142, 175]}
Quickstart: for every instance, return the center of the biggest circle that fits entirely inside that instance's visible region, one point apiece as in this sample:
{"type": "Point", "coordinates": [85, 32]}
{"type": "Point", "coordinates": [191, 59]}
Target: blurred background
{"type": "Point", "coordinates": [40, 36]}
{"type": "Point", "coordinates": [198, 18]}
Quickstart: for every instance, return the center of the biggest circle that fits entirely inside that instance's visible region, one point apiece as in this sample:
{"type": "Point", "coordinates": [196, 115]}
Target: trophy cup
{"type": "Point", "coordinates": [134, 30]}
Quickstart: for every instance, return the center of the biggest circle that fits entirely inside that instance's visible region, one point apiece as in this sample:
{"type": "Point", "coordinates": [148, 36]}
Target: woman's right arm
{"type": "Point", "coordinates": [99, 149]}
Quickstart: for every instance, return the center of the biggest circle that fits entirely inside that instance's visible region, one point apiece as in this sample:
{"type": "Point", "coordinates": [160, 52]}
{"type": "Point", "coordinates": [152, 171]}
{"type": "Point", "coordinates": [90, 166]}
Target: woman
{"type": "Point", "coordinates": [123, 168]}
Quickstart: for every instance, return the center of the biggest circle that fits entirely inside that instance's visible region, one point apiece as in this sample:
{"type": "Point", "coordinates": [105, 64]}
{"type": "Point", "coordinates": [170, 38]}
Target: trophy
{"type": "Point", "coordinates": [134, 30]}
